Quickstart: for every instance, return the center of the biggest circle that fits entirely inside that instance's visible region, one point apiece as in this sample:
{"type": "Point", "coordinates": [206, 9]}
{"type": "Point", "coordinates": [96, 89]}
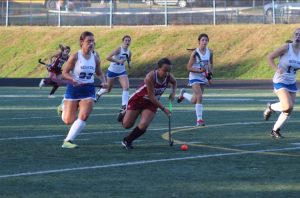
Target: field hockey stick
{"type": "Point", "coordinates": [127, 60]}
{"type": "Point", "coordinates": [190, 49]}
{"type": "Point", "coordinates": [170, 134]}
{"type": "Point", "coordinates": [86, 84]}
{"type": "Point", "coordinates": [41, 62]}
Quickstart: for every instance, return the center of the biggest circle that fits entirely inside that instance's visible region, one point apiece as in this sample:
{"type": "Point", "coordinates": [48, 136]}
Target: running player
{"type": "Point", "coordinates": [145, 100]}
{"type": "Point", "coordinates": [117, 69]}
{"type": "Point", "coordinates": [200, 66]}
{"type": "Point", "coordinates": [55, 70]}
{"type": "Point", "coordinates": [284, 81]}
{"type": "Point", "coordinates": [80, 95]}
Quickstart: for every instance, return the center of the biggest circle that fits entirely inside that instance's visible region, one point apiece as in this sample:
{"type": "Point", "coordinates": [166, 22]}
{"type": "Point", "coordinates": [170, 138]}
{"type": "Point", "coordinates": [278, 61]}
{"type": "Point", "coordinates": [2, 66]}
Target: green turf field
{"type": "Point", "coordinates": [232, 156]}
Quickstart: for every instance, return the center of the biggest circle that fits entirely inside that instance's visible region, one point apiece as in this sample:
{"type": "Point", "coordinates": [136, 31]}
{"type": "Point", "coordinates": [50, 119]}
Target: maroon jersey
{"type": "Point", "coordinates": [140, 99]}
{"type": "Point", "coordinates": [159, 88]}
{"type": "Point", "coordinates": [56, 66]}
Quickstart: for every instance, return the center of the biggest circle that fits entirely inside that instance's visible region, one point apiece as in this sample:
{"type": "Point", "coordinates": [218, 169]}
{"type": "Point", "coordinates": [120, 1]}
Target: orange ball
{"type": "Point", "coordinates": [184, 147]}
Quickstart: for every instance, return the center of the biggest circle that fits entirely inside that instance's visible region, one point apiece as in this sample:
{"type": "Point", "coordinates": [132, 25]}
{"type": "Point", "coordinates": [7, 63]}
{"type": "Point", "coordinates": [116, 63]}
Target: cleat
{"type": "Point", "coordinates": [42, 83]}
{"type": "Point", "coordinates": [200, 123]}
{"type": "Point", "coordinates": [122, 113]}
{"type": "Point", "coordinates": [268, 112]}
{"type": "Point", "coordinates": [51, 96]}
{"type": "Point", "coordinates": [126, 145]}
{"type": "Point", "coordinates": [180, 97]}
{"type": "Point", "coordinates": [69, 145]}
{"type": "Point", "coordinates": [276, 134]}
{"type": "Point", "coordinates": [60, 110]}
{"type": "Point", "coordinates": [98, 95]}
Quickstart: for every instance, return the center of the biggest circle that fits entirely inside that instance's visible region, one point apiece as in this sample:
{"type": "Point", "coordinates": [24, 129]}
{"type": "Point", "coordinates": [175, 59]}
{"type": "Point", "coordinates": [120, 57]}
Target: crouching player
{"type": "Point", "coordinates": [145, 100]}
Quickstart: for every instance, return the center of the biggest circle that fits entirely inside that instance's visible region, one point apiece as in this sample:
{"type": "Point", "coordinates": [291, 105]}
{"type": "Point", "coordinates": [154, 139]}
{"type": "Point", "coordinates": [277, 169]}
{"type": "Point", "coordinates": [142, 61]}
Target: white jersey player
{"type": "Point", "coordinates": [200, 67]}
{"type": "Point", "coordinates": [118, 58]}
{"type": "Point", "coordinates": [80, 69]}
{"type": "Point", "coordinates": [284, 81]}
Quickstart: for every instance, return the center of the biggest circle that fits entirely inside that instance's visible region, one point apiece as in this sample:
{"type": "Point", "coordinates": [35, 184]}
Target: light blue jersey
{"type": "Point", "coordinates": [289, 63]}
{"type": "Point", "coordinates": [202, 60]}
{"type": "Point", "coordinates": [118, 68]}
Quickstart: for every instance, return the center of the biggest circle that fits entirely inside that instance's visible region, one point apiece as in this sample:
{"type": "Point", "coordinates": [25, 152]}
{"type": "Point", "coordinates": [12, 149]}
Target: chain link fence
{"type": "Point", "coordinates": [146, 12]}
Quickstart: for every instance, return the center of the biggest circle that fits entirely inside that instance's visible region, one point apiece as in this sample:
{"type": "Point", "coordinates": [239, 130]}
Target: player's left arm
{"type": "Point", "coordinates": [54, 57]}
{"type": "Point", "coordinates": [99, 72]}
{"type": "Point", "coordinates": [173, 83]}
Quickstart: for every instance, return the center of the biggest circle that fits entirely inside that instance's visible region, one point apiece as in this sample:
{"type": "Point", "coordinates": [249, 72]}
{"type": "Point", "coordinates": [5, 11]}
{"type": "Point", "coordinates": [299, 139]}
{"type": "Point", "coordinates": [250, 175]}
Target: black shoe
{"type": "Point", "coordinates": [276, 134]}
{"type": "Point", "coordinates": [180, 98]}
{"type": "Point", "coordinates": [122, 113]}
{"type": "Point", "coordinates": [268, 112]}
{"type": "Point", "coordinates": [126, 145]}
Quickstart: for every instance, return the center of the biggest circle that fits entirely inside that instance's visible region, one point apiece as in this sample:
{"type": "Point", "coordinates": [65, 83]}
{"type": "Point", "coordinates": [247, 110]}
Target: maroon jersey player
{"type": "Point", "coordinates": [145, 100]}
{"type": "Point", "coordinates": [55, 70]}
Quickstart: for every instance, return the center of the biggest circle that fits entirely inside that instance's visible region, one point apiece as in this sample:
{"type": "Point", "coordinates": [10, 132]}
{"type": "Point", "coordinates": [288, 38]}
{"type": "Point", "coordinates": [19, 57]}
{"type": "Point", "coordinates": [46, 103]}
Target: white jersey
{"type": "Point", "coordinates": [84, 69]}
{"type": "Point", "coordinates": [289, 63]}
{"type": "Point", "coordinates": [117, 67]}
{"type": "Point", "coordinates": [202, 60]}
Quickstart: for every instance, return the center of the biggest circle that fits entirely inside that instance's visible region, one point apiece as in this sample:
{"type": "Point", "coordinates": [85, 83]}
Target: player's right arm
{"type": "Point", "coordinates": [190, 67]}
{"type": "Point", "coordinates": [275, 54]}
{"type": "Point", "coordinates": [111, 58]}
{"type": "Point", "coordinates": [69, 66]}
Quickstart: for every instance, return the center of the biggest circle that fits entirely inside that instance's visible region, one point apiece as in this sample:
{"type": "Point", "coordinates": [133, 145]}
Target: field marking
{"type": "Point", "coordinates": [143, 162]}
{"type": "Point", "coordinates": [164, 136]}
{"type": "Point", "coordinates": [247, 144]}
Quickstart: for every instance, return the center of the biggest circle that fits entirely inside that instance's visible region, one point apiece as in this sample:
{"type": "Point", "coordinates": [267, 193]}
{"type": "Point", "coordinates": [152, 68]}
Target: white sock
{"type": "Point", "coordinates": [188, 96]}
{"type": "Point", "coordinates": [199, 110]}
{"type": "Point", "coordinates": [276, 106]}
{"type": "Point", "coordinates": [75, 129]}
{"type": "Point", "coordinates": [62, 116]}
{"type": "Point", "coordinates": [102, 91]}
{"type": "Point", "coordinates": [62, 108]}
{"type": "Point", "coordinates": [280, 121]}
{"type": "Point", "coordinates": [125, 96]}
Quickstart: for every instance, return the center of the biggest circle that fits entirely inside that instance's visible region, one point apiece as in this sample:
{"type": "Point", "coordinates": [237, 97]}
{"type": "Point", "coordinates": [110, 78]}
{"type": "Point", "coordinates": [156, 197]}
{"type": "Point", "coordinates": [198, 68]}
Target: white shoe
{"type": "Point", "coordinates": [51, 96]}
{"type": "Point", "coordinates": [42, 83]}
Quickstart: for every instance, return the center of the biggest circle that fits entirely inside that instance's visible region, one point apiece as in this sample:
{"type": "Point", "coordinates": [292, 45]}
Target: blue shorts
{"type": "Point", "coordinates": [110, 74]}
{"type": "Point", "coordinates": [80, 92]}
{"type": "Point", "coordinates": [288, 87]}
{"type": "Point", "coordinates": [197, 81]}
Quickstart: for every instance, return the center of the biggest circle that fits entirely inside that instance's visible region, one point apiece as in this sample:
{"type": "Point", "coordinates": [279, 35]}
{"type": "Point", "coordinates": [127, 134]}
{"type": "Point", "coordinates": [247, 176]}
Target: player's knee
{"type": "Point", "coordinates": [83, 116]}
{"type": "Point", "coordinates": [288, 108]}
{"type": "Point", "coordinates": [143, 126]}
{"type": "Point", "coordinates": [108, 90]}
{"type": "Point", "coordinates": [68, 121]}
{"type": "Point", "coordinates": [127, 125]}
{"type": "Point", "coordinates": [198, 96]}
{"type": "Point", "coordinates": [288, 112]}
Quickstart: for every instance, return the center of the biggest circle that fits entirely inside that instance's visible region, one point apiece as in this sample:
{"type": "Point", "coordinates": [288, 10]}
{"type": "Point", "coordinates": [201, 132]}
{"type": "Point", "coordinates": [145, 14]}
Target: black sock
{"type": "Point", "coordinates": [54, 88]}
{"type": "Point", "coordinates": [136, 132]}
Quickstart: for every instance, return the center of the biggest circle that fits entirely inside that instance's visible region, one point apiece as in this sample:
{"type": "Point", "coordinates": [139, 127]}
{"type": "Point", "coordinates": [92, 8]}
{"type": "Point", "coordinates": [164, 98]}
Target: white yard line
{"type": "Point", "coordinates": [141, 162]}
{"type": "Point", "coordinates": [124, 131]}
{"type": "Point", "coordinates": [246, 144]}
